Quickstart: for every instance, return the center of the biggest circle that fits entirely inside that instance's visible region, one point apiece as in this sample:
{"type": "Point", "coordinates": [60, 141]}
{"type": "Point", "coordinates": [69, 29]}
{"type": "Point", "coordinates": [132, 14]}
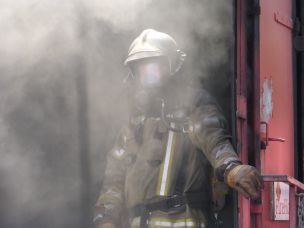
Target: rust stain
{"type": "Point", "coordinates": [266, 102]}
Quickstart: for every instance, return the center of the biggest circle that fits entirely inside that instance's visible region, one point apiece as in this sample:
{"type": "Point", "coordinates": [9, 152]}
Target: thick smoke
{"type": "Point", "coordinates": [61, 72]}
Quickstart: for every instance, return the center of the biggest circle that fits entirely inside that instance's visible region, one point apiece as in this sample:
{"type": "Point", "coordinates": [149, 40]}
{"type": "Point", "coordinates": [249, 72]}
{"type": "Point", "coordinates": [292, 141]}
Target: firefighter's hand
{"type": "Point", "coordinates": [245, 179]}
{"type": "Point", "coordinates": [106, 225]}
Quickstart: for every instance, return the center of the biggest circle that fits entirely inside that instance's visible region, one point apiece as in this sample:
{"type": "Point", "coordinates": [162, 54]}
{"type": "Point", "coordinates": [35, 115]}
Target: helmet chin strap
{"type": "Point", "coordinates": [129, 77]}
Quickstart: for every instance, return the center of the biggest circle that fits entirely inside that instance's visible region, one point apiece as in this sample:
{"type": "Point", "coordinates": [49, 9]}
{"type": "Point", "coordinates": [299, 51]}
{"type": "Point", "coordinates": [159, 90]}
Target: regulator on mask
{"type": "Point", "coordinates": [149, 79]}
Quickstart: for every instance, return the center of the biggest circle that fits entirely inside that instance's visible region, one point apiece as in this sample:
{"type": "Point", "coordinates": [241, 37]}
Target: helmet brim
{"type": "Point", "coordinates": [143, 55]}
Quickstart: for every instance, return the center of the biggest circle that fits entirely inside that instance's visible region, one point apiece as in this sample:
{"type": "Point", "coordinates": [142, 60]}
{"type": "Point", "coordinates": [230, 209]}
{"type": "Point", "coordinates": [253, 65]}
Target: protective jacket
{"type": "Point", "coordinates": [162, 177]}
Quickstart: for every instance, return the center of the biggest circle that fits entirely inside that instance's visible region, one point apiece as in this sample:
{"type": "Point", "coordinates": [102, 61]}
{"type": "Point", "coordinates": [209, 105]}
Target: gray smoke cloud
{"type": "Point", "coordinates": [60, 58]}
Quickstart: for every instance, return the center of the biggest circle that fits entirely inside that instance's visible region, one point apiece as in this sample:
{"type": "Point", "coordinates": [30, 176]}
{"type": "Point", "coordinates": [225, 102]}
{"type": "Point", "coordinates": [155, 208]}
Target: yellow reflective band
{"type": "Point", "coordinates": [135, 222]}
{"type": "Point", "coordinates": [165, 170]}
{"type": "Point", "coordinates": [171, 224]}
{"type": "Point", "coordinates": [165, 222]}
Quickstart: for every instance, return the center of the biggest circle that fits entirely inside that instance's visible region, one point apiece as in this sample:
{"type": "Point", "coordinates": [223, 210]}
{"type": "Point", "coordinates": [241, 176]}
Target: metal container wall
{"type": "Point", "coordinates": [276, 96]}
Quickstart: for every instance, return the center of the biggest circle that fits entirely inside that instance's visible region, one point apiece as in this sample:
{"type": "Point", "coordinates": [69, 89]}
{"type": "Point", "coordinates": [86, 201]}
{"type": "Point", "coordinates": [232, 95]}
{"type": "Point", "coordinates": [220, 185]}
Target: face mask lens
{"type": "Point", "coordinates": [150, 74]}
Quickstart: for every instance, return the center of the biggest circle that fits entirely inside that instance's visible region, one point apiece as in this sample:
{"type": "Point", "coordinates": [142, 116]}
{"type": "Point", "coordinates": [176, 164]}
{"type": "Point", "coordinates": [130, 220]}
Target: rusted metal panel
{"type": "Point", "coordinates": [277, 87]}
{"type": "Point", "coordinates": [276, 92]}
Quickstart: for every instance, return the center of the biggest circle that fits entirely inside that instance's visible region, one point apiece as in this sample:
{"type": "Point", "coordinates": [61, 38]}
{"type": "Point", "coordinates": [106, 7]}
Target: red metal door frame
{"type": "Point", "coordinates": [241, 97]}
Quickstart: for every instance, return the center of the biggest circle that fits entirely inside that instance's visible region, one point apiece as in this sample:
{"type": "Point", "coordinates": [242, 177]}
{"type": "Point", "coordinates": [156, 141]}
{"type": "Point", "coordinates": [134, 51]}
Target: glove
{"type": "Point", "coordinates": [106, 225]}
{"type": "Point", "coordinates": [245, 179]}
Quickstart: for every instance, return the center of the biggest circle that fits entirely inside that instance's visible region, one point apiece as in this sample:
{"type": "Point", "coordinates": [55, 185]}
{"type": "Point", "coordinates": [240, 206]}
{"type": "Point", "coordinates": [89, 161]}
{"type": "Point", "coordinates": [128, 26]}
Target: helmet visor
{"type": "Point", "coordinates": [150, 73]}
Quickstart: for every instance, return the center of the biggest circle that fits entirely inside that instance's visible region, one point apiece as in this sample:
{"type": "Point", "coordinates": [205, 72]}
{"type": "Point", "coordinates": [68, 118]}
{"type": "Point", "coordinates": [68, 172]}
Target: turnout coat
{"type": "Point", "coordinates": [150, 164]}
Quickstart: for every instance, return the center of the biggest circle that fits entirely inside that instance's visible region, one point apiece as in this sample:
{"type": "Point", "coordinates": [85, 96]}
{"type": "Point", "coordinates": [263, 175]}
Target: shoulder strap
{"type": "Point", "coordinates": [181, 175]}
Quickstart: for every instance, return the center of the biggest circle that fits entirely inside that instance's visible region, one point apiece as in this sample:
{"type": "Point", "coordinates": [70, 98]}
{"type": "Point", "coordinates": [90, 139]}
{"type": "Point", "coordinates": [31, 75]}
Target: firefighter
{"type": "Point", "coordinates": [161, 170]}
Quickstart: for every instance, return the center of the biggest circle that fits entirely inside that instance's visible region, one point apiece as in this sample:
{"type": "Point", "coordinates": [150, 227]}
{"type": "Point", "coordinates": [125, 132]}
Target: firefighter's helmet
{"type": "Point", "coordinates": [151, 43]}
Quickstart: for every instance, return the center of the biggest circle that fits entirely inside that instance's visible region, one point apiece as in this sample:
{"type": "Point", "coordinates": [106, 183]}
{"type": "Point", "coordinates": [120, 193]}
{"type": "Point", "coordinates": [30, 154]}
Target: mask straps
{"type": "Point", "coordinates": [181, 59]}
{"type": "Point", "coordinates": [129, 77]}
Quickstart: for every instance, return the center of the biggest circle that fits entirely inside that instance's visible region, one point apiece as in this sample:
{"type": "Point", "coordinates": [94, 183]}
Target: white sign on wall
{"type": "Point", "coordinates": [280, 201]}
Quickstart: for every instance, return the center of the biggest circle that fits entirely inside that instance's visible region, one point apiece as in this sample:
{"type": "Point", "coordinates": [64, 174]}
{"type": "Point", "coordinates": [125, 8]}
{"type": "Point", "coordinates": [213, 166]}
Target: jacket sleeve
{"type": "Point", "coordinates": [209, 133]}
{"type": "Point", "coordinates": [109, 206]}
